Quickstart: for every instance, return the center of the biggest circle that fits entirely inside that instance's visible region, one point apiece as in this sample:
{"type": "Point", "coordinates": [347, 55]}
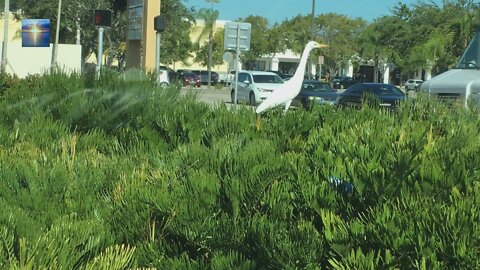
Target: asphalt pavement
{"type": "Point", "coordinates": [212, 96]}
{"type": "Point", "coordinates": [215, 96]}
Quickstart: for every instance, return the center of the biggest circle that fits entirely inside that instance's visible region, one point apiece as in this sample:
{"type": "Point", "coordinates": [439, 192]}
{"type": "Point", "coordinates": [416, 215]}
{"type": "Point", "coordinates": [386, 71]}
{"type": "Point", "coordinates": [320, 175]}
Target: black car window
{"type": "Point", "coordinates": [316, 87]}
{"type": "Point", "coordinates": [356, 89]}
{"type": "Point", "coordinates": [384, 90]}
{"type": "Point", "coordinates": [267, 78]}
{"type": "Point", "coordinates": [242, 77]}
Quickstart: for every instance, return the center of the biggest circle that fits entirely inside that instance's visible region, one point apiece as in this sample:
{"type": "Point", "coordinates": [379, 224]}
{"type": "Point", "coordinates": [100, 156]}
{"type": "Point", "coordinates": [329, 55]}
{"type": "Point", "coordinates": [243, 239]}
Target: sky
{"type": "Point", "coordinates": [280, 10]}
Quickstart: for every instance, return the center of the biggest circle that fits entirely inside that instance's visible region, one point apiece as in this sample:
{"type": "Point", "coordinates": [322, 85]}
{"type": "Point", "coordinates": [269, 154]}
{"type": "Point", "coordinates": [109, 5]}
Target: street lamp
{"type": "Point", "coordinates": [312, 38]}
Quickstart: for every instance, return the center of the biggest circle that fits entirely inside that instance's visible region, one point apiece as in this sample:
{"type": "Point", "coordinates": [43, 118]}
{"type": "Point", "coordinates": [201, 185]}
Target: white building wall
{"type": "Point", "coordinates": [23, 61]}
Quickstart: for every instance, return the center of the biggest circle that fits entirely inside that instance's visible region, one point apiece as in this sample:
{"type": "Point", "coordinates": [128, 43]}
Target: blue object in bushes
{"type": "Point", "coordinates": [342, 185]}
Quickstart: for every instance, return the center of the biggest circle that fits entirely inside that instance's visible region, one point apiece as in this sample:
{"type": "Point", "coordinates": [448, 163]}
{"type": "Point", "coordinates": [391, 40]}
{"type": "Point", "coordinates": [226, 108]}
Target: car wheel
{"type": "Point", "coordinates": [252, 99]}
{"type": "Point", "coordinates": [306, 104]}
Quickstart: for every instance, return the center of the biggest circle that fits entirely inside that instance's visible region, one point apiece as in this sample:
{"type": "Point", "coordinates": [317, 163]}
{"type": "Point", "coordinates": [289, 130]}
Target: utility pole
{"type": "Point", "coordinates": [6, 19]}
{"type": "Point", "coordinates": [312, 38]}
{"type": "Point", "coordinates": [313, 19]}
{"type": "Point", "coordinates": [57, 31]}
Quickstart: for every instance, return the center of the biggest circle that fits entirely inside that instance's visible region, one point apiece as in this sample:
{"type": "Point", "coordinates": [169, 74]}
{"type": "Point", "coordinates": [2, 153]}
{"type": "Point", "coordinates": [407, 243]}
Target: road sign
{"type": "Point", "coordinates": [237, 36]}
{"type": "Point", "coordinates": [228, 57]}
{"type": "Point", "coordinates": [321, 59]}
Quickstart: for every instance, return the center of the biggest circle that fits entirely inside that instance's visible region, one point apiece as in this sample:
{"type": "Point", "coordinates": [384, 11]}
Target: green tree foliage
{"type": "Point", "coordinates": [176, 43]}
{"type": "Point", "coordinates": [260, 44]}
{"type": "Point", "coordinates": [209, 18]}
{"type": "Point", "coordinates": [217, 51]}
{"type": "Point", "coordinates": [436, 34]}
{"type": "Point", "coordinates": [295, 32]}
{"type": "Point", "coordinates": [340, 34]}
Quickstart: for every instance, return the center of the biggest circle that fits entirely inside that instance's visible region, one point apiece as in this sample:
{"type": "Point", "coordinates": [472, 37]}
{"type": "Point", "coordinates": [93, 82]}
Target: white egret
{"type": "Point", "coordinates": [290, 89]}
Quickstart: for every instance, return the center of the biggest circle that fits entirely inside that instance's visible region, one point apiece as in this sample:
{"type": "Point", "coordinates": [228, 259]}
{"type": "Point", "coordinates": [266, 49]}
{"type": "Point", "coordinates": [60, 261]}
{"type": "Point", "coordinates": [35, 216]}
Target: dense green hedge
{"type": "Point", "coordinates": [121, 174]}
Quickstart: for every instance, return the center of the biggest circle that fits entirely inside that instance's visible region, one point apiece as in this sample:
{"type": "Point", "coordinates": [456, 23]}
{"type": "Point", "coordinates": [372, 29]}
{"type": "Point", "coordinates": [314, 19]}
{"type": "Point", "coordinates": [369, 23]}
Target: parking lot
{"type": "Point", "coordinates": [211, 96]}
{"type": "Point", "coordinates": [215, 96]}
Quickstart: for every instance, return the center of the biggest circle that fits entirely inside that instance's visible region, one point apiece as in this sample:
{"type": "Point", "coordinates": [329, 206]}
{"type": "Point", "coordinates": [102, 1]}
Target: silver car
{"type": "Point", "coordinates": [255, 86]}
{"type": "Point", "coordinates": [412, 84]}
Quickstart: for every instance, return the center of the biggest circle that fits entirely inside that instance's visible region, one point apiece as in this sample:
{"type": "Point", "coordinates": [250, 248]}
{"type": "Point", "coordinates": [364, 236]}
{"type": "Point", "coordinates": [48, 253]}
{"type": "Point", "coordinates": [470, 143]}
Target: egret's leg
{"type": "Point", "coordinates": [287, 105]}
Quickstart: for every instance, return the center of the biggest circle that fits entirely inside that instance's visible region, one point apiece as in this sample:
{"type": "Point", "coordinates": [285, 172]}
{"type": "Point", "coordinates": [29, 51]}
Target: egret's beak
{"type": "Point", "coordinates": [318, 45]}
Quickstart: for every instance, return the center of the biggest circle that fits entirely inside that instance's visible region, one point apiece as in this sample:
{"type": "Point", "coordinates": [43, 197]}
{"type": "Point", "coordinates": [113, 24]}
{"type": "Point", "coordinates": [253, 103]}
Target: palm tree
{"type": "Point", "coordinates": [435, 46]}
{"type": "Point", "coordinates": [209, 16]}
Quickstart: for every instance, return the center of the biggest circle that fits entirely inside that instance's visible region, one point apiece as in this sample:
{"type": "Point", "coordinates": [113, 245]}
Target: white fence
{"type": "Point", "coordinates": [23, 61]}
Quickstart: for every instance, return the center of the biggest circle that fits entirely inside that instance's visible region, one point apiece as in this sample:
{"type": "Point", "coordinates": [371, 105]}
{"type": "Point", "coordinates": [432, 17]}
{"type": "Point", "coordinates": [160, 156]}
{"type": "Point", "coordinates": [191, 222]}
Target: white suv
{"type": "Point", "coordinates": [255, 86]}
{"type": "Point", "coordinates": [412, 84]}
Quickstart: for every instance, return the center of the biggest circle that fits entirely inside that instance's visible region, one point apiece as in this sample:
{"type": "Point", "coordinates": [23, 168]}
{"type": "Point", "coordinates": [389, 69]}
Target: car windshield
{"type": "Point", "coordinates": [385, 90]}
{"type": "Point", "coordinates": [316, 87]}
{"type": "Point", "coordinates": [266, 78]}
{"type": "Point", "coordinates": [471, 58]}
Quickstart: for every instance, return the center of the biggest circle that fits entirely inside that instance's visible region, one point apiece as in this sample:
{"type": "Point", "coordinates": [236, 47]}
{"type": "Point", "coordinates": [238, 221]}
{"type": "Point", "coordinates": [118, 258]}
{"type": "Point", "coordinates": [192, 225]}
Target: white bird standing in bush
{"type": "Point", "coordinates": [290, 89]}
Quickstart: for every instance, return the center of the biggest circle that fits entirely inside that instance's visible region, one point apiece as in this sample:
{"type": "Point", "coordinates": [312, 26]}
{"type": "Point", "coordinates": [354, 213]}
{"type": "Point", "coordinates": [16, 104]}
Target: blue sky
{"type": "Point", "coordinates": [279, 10]}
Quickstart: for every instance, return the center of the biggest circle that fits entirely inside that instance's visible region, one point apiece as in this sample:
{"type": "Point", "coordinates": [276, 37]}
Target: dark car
{"type": "Point", "coordinates": [190, 78]}
{"type": "Point", "coordinates": [387, 95]}
{"type": "Point", "coordinates": [204, 76]}
{"type": "Point", "coordinates": [343, 82]}
{"type": "Point", "coordinates": [315, 92]}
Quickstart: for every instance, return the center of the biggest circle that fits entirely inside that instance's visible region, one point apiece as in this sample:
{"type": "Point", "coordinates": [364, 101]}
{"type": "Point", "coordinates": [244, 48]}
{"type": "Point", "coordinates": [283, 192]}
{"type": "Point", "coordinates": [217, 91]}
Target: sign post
{"type": "Point", "coordinates": [101, 18]}
{"type": "Point", "coordinates": [228, 57]}
{"type": "Point", "coordinates": [321, 59]}
{"type": "Point", "coordinates": [159, 26]}
{"type": "Point", "coordinates": [237, 37]}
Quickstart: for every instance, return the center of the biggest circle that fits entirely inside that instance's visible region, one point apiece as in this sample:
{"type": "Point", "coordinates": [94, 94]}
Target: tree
{"type": "Point", "coordinates": [209, 17]}
{"type": "Point", "coordinates": [340, 34]}
{"type": "Point", "coordinates": [259, 42]}
{"type": "Point", "coordinates": [176, 42]}
{"type": "Point", "coordinates": [295, 33]}
{"type": "Point", "coordinates": [202, 55]}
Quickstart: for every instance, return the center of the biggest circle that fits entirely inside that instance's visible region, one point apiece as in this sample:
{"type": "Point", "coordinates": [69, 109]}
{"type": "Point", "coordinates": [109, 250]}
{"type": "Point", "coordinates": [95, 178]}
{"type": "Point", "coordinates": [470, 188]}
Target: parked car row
{"type": "Point", "coordinates": [256, 86]}
{"type": "Point", "coordinates": [202, 75]}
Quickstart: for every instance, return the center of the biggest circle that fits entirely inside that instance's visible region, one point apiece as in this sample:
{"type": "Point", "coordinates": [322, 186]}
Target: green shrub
{"type": "Point", "coordinates": [121, 173]}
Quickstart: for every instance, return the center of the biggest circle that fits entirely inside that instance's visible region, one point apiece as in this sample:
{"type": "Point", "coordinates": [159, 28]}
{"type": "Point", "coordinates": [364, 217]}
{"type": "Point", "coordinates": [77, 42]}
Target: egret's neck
{"type": "Point", "coordinates": [300, 72]}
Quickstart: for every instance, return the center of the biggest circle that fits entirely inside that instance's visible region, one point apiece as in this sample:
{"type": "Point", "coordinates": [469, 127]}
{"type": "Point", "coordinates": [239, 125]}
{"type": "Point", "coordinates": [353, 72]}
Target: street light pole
{"type": "Point", "coordinates": [312, 38]}
{"type": "Point", "coordinates": [6, 19]}
{"type": "Point", "coordinates": [57, 31]}
{"type": "Point", "coordinates": [313, 19]}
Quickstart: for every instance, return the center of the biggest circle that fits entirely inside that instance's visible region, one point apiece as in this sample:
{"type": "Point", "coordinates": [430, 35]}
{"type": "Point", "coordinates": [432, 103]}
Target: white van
{"type": "Point", "coordinates": [255, 86]}
{"type": "Point", "coordinates": [462, 83]}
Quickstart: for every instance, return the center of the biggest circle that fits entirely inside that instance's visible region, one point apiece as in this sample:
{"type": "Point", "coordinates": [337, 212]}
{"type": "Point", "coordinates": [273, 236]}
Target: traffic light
{"type": "Point", "coordinates": [102, 17]}
{"type": "Point", "coordinates": [159, 23]}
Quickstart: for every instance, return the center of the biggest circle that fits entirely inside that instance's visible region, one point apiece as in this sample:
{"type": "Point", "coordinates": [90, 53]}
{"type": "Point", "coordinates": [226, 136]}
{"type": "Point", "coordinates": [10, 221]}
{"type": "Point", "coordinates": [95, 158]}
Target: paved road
{"type": "Point", "coordinates": [211, 96]}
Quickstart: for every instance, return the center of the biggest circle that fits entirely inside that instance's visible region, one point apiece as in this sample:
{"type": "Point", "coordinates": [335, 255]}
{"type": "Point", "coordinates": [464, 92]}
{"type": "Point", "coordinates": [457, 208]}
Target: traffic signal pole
{"type": "Point", "coordinates": [157, 56]}
{"type": "Point", "coordinates": [100, 50]}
